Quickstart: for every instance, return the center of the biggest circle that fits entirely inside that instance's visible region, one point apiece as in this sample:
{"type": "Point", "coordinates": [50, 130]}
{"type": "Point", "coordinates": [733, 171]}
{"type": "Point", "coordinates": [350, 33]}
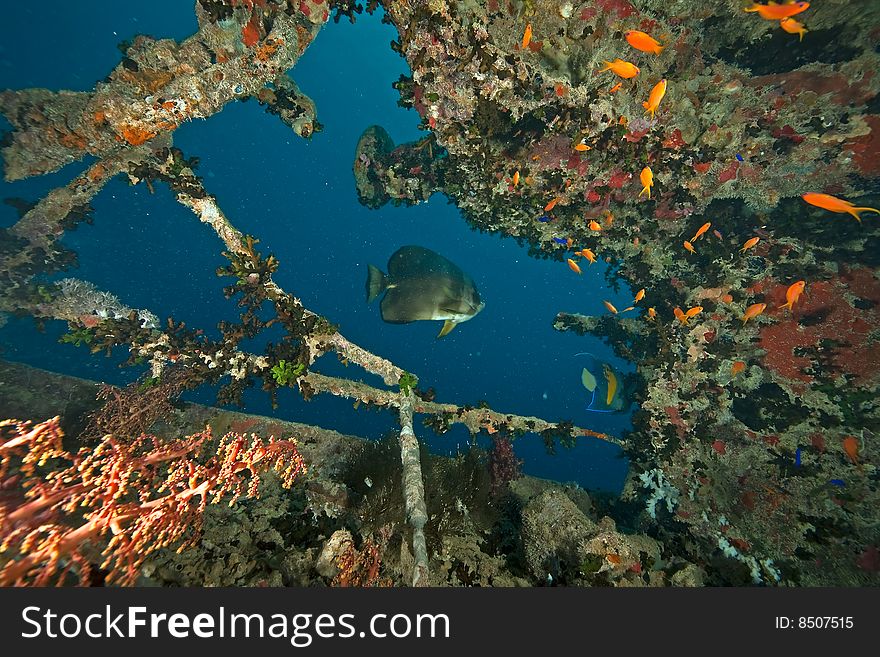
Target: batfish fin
{"type": "Point", "coordinates": [377, 282]}
{"type": "Point", "coordinates": [448, 325]}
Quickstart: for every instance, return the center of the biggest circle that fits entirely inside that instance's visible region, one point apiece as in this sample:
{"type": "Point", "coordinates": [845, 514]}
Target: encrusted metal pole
{"type": "Point", "coordinates": [413, 490]}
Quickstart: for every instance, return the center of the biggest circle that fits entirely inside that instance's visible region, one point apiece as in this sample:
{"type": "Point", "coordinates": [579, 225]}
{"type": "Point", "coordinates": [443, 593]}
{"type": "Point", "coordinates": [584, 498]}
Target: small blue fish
{"type": "Point", "coordinates": [797, 457]}
{"type": "Point", "coordinates": [544, 219]}
{"type": "Point", "coordinates": [739, 157]}
{"type": "Point", "coordinates": [837, 482]}
{"type": "Point", "coordinates": [560, 240]}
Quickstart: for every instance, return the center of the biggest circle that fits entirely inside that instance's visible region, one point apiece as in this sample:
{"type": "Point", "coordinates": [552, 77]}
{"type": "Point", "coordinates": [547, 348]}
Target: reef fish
{"type": "Point", "coordinates": [654, 98]}
{"type": "Point", "coordinates": [608, 394]}
{"type": "Point", "coordinates": [834, 204]}
{"type": "Point", "coordinates": [610, 306]}
{"type": "Point", "coordinates": [594, 225]}
{"type": "Point", "coordinates": [646, 177]}
{"type": "Point", "coordinates": [574, 266]}
{"type": "Point", "coordinates": [639, 295]}
{"type": "Point", "coordinates": [621, 68]}
{"type": "Point", "coordinates": [642, 41]}
{"type": "Point", "coordinates": [527, 36]}
{"type": "Point", "coordinates": [702, 229]}
{"type": "Point", "coordinates": [516, 178]}
{"type": "Point", "coordinates": [693, 312]}
{"type": "Point", "coordinates": [774, 12]}
{"type": "Point", "coordinates": [689, 247]}
{"type": "Point", "coordinates": [792, 26]}
{"type": "Point", "coordinates": [793, 293]}
{"type": "Point", "coordinates": [753, 311]}
{"type": "Point", "coordinates": [551, 204]}
{"type": "Point", "coordinates": [749, 244]}
{"type": "Point", "coordinates": [423, 285]}
{"type": "Point", "coordinates": [589, 255]}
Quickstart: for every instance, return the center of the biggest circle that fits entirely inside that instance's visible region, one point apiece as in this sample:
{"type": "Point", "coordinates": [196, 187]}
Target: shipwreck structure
{"type": "Point", "coordinates": [754, 450]}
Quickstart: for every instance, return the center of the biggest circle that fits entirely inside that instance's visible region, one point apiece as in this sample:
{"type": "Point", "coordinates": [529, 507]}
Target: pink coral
{"type": "Point", "coordinates": [866, 149]}
{"type": "Point", "coordinates": [504, 466]}
{"type": "Point", "coordinates": [788, 340]}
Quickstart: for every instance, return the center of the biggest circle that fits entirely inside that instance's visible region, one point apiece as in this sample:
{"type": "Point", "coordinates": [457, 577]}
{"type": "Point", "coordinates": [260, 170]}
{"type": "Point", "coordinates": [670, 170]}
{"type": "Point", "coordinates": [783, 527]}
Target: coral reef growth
{"type": "Point", "coordinates": [103, 514]}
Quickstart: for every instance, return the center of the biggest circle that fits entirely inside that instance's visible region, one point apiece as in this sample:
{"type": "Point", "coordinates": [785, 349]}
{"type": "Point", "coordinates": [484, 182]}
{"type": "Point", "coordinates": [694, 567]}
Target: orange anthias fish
{"type": "Point", "coordinates": [654, 98]}
{"type": "Point", "coordinates": [581, 146]}
{"type": "Point", "coordinates": [753, 311]}
{"type": "Point", "coordinates": [516, 178]}
{"type": "Point", "coordinates": [615, 88]}
{"type": "Point", "coordinates": [851, 447]}
{"type": "Point", "coordinates": [551, 204]}
{"type": "Point", "coordinates": [793, 294]}
{"type": "Point", "coordinates": [652, 313]}
{"type": "Point", "coordinates": [594, 225]}
{"type": "Point", "coordinates": [527, 36]}
{"type": "Point", "coordinates": [646, 177]}
{"type": "Point", "coordinates": [706, 226]}
{"type": "Point", "coordinates": [689, 247]}
{"type": "Point", "coordinates": [834, 204]}
{"type": "Point", "coordinates": [693, 312]}
{"type": "Point", "coordinates": [645, 42]}
{"type": "Point", "coordinates": [609, 217]}
{"type": "Point", "coordinates": [621, 68]}
{"type": "Point", "coordinates": [589, 255]}
{"type": "Point", "coordinates": [737, 367]}
{"type": "Point", "coordinates": [791, 26]}
{"type": "Point", "coordinates": [639, 295]}
{"type": "Point", "coordinates": [610, 306]}
{"type": "Point", "coordinates": [679, 315]}
{"type": "Point", "coordinates": [749, 244]}
{"type": "Point", "coordinates": [775, 12]}
{"type": "Point", "coordinates": [574, 266]}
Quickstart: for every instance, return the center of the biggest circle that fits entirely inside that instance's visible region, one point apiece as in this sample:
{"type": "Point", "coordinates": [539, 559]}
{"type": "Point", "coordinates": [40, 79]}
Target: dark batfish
{"type": "Point", "coordinates": [422, 285]}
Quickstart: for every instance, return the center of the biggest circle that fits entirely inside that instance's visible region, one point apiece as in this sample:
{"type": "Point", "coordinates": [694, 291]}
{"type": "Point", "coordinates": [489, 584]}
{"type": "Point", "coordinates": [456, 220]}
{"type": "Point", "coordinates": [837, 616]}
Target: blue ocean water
{"type": "Point", "coordinates": [298, 197]}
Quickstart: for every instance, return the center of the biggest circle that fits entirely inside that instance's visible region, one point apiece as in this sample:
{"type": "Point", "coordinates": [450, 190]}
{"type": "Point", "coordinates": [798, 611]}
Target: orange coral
{"type": "Point", "coordinates": [304, 38]}
{"type": "Point", "coordinates": [250, 33]}
{"type": "Point", "coordinates": [96, 172]}
{"type": "Point", "coordinates": [135, 135]}
{"type": "Point", "coordinates": [73, 140]}
{"type": "Point", "coordinates": [130, 497]}
{"type": "Point", "coordinates": [265, 51]}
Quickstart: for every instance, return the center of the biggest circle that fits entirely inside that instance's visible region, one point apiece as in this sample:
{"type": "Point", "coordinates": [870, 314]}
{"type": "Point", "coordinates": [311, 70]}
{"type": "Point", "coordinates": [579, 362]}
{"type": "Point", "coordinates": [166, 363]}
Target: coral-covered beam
{"type": "Point", "coordinates": [159, 85]}
{"type": "Point", "coordinates": [209, 212]}
{"type": "Point", "coordinates": [413, 489]}
{"type": "Point", "coordinates": [474, 419]}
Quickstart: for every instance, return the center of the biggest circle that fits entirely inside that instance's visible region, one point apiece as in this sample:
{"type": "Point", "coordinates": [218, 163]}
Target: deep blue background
{"type": "Point", "coordinates": [298, 197]}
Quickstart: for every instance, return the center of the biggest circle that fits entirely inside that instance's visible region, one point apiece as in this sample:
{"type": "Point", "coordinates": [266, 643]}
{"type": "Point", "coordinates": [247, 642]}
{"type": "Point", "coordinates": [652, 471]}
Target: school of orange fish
{"type": "Point", "coordinates": [644, 42]}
